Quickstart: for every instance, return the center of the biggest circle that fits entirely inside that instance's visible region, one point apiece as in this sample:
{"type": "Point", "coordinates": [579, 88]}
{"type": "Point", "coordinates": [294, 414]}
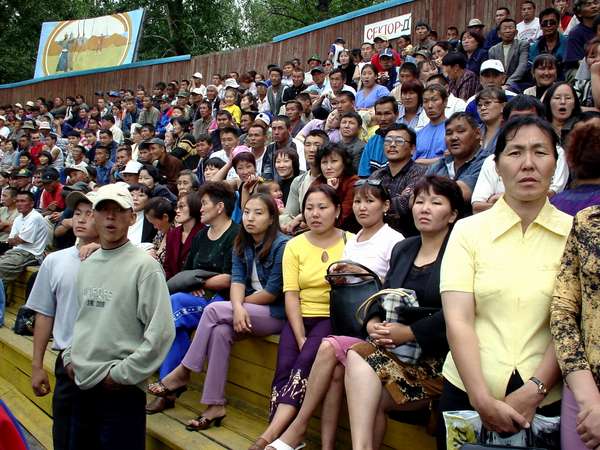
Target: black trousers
{"type": "Point", "coordinates": [455, 399]}
{"type": "Point", "coordinates": [112, 419]}
{"type": "Point", "coordinates": [66, 405]}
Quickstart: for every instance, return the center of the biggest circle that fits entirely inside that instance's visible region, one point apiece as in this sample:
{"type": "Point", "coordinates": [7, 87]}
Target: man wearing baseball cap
{"type": "Point", "coordinates": [52, 201]}
{"type": "Point", "coordinates": [123, 330]}
{"type": "Point", "coordinates": [491, 74]}
{"type": "Point", "coordinates": [54, 299]}
{"type": "Point", "coordinates": [168, 165]}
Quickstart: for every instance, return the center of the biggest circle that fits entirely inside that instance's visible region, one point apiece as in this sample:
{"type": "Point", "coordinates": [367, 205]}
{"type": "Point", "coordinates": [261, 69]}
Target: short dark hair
{"type": "Point", "coordinates": [437, 88]}
{"type": "Point", "coordinates": [204, 137]}
{"type": "Point", "coordinates": [349, 95]}
{"type": "Point", "coordinates": [422, 23]}
{"type": "Point", "coordinates": [464, 116]}
{"type": "Point", "coordinates": [387, 99]}
{"type": "Point", "coordinates": [27, 193]}
{"type": "Point", "coordinates": [493, 92]}
{"type": "Point", "coordinates": [409, 67]}
{"type": "Point", "coordinates": [531, 2]}
{"type": "Point", "coordinates": [445, 187]}
{"type": "Point", "coordinates": [353, 115]}
{"type": "Point", "coordinates": [322, 188]}
{"type": "Point", "coordinates": [321, 134]}
{"type": "Point", "coordinates": [413, 86]}
{"type": "Point", "coordinates": [550, 11]}
{"type": "Point", "coordinates": [224, 112]}
{"type": "Point", "coordinates": [158, 207]}
{"type": "Point", "coordinates": [141, 188]}
{"type": "Point", "coordinates": [330, 149]}
{"type": "Point", "coordinates": [109, 118]}
{"type": "Point", "coordinates": [511, 128]}
{"type": "Point", "coordinates": [503, 8]}
{"type": "Point", "coordinates": [523, 103]}
{"type": "Point", "coordinates": [230, 130]}
{"type": "Point", "coordinates": [282, 118]}
{"type": "Point", "coordinates": [219, 192]}
{"type": "Point", "coordinates": [403, 127]}
{"type": "Point", "coordinates": [279, 70]}
{"type": "Point", "coordinates": [152, 171]}
{"type": "Point", "coordinates": [507, 20]}
{"type": "Point", "coordinates": [214, 162]}
{"type": "Point", "coordinates": [340, 71]}
{"type": "Point", "coordinates": [245, 157]}
{"type": "Point", "coordinates": [107, 132]}
{"type": "Point", "coordinates": [292, 154]}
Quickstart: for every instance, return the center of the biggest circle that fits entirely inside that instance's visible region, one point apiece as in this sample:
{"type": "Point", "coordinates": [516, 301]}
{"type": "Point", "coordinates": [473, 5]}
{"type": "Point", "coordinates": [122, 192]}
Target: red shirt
{"type": "Point", "coordinates": [55, 196]}
{"type": "Point", "coordinates": [379, 67]}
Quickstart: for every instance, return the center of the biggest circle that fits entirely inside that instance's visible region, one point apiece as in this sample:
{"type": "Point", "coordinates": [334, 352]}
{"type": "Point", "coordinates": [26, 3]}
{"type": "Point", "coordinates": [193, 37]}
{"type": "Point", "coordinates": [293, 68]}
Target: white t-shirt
{"type": "Point", "coordinates": [374, 253]}
{"type": "Point", "coordinates": [254, 280]}
{"type": "Point", "coordinates": [54, 293]}
{"type": "Point", "coordinates": [529, 31]}
{"type": "Point", "coordinates": [231, 175]}
{"type": "Point", "coordinates": [33, 229]}
{"type": "Point", "coordinates": [489, 182]}
{"type": "Point", "coordinates": [135, 231]}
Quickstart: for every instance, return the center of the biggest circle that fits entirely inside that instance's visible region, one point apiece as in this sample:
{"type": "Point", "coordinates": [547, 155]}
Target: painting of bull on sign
{"type": "Point", "coordinates": [392, 28]}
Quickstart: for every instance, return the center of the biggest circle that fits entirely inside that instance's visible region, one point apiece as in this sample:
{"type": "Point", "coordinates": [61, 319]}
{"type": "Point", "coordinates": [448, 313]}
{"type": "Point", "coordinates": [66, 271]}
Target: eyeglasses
{"type": "Point", "coordinates": [395, 141]}
{"type": "Point", "coordinates": [487, 103]}
{"type": "Point", "coordinates": [549, 23]}
{"type": "Point", "coordinates": [374, 183]}
{"type": "Point", "coordinates": [328, 64]}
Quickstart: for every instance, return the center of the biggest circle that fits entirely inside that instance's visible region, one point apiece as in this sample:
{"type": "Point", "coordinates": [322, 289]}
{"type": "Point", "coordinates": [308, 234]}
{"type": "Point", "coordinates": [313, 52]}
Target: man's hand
{"type": "Point", "coordinates": [40, 382]}
{"type": "Point", "coordinates": [109, 383]}
{"type": "Point", "coordinates": [70, 372]}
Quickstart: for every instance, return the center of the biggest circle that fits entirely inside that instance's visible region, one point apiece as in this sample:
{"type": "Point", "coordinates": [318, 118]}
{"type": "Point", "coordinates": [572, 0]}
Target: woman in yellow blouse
{"type": "Point", "coordinates": [575, 325]}
{"type": "Point", "coordinates": [497, 279]}
{"type": "Point", "coordinates": [305, 263]}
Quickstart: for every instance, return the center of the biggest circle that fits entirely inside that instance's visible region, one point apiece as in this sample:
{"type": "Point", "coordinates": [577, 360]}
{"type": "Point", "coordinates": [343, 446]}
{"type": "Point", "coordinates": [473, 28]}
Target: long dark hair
{"type": "Point", "coordinates": [330, 149]}
{"type": "Point", "coordinates": [244, 239]}
{"type": "Point", "coordinates": [550, 93]}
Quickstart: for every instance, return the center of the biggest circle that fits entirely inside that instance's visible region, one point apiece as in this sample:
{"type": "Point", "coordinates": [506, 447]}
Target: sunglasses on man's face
{"type": "Point", "coordinates": [549, 23]}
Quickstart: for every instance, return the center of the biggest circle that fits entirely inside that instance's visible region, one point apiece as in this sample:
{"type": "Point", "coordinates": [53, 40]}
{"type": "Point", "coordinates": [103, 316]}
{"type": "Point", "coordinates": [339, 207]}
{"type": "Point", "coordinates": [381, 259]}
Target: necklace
{"type": "Point", "coordinates": [324, 256]}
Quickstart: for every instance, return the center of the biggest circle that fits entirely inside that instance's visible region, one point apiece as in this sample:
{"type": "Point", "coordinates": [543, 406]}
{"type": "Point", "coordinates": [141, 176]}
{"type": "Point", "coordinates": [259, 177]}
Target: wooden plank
{"type": "Point", "coordinates": [33, 419]}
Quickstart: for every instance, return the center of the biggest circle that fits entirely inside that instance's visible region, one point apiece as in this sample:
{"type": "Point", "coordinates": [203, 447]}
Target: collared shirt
{"type": "Point", "coordinates": [103, 173]}
{"type": "Point", "coordinates": [511, 275]}
{"type": "Point", "coordinates": [467, 173]}
{"type": "Point", "coordinates": [400, 188]}
{"type": "Point", "coordinates": [464, 87]}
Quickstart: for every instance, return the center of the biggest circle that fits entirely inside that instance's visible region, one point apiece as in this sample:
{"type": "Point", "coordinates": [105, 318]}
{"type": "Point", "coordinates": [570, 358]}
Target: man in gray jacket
{"type": "Point", "coordinates": [123, 331]}
{"type": "Point", "coordinates": [513, 53]}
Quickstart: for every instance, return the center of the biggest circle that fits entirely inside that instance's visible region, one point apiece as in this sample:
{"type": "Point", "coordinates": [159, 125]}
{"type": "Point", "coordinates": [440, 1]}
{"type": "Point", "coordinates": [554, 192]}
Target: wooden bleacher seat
{"type": "Point", "coordinates": [248, 392]}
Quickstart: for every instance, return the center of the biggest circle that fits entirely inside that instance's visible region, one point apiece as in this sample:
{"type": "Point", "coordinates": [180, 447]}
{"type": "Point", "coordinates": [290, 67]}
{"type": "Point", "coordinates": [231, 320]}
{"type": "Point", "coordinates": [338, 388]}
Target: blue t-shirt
{"type": "Point", "coordinates": [431, 142]}
{"type": "Point", "coordinates": [372, 157]}
{"type": "Point", "coordinates": [376, 93]}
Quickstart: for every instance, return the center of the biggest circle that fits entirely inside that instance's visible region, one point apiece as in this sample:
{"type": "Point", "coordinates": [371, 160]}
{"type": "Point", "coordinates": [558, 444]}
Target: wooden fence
{"type": "Point", "coordinates": [315, 39]}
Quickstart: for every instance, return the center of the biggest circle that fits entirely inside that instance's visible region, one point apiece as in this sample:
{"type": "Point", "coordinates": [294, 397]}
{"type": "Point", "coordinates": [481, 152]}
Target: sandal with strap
{"type": "Point", "coordinates": [204, 423]}
{"type": "Point", "coordinates": [259, 444]}
{"type": "Point", "coordinates": [166, 392]}
{"type": "Point", "coordinates": [280, 445]}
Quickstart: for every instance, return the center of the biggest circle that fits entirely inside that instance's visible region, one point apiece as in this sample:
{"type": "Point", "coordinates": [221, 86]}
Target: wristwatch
{"type": "Point", "coordinates": [541, 387]}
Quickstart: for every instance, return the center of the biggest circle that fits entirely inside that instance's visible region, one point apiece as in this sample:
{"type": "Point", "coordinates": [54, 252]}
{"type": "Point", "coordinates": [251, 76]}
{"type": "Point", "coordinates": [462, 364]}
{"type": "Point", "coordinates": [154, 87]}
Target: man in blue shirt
{"type": "Point", "coordinates": [103, 165]}
{"type": "Point", "coordinates": [431, 144]}
{"type": "Point", "coordinates": [464, 162]}
{"type": "Point", "coordinates": [373, 158]}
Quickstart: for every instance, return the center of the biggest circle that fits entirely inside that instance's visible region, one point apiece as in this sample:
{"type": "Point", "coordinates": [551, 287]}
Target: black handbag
{"type": "Point", "coordinates": [25, 321]}
{"type": "Point", "coordinates": [188, 280]}
{"type": "Point", "coordinates": [485, 436]}
{"type": "Point", "coordinates": [346, 297]}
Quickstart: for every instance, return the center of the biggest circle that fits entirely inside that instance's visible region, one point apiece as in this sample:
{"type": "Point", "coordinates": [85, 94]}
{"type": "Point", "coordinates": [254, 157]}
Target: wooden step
{"type": "Point", "coordinates": [250, 374]}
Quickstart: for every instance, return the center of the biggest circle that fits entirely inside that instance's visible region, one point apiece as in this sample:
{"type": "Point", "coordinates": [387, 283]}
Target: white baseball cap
{"type": "Point", "coordinates": [117, 193]}
{"type": "Point", "coordinates": [492, 64]}
{"type": "Point", "coordinates": [132, 167]}
{"type": "Point", "coordinates": [197, 75]}
{"type": "Point", "coordinates": [196, 91]}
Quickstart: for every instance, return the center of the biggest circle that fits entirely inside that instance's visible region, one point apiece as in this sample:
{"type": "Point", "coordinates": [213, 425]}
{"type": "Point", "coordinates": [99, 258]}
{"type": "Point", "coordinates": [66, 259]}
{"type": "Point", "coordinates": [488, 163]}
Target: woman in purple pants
{"type": "Point", "coordinates": [255, 309]}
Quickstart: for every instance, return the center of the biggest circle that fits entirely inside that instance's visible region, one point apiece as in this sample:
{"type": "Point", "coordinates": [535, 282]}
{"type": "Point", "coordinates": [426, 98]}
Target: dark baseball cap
{"type": "Point", "coordinates": [22, 173]}
{"type": "Point", "coordinates": [147, 143]}
{"type": "Point", "coordinates": [50, 175]}
{"type": "Point", "coordinates": [317, 69]}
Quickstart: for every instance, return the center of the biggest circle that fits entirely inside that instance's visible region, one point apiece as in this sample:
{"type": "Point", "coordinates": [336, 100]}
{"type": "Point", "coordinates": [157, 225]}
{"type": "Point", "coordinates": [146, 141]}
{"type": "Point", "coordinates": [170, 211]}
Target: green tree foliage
{"type": "Point", "coordinates": [171, 27]}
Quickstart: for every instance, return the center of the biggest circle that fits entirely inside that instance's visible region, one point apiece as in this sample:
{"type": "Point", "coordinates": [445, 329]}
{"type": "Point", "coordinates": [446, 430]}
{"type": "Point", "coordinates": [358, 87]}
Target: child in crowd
{"type": "Point", "coordinates": [274, 190]}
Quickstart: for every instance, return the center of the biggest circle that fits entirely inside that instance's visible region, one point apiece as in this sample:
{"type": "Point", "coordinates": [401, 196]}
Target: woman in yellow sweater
{"type": "Point", "coordinates": [305, 263]}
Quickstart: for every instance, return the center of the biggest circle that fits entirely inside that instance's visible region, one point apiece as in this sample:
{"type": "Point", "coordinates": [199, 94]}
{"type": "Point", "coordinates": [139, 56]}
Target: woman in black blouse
{"type": "Point", "coordinates": [414, 264]}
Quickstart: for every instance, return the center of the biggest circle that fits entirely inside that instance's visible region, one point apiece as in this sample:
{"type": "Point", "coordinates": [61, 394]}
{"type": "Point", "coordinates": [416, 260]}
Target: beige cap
{"type": "Point", "coordinates": [117, 192]}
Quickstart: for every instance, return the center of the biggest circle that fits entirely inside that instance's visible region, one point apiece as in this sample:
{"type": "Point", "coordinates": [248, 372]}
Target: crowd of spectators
{"type": "Point", "coordinates": [449, 165]}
